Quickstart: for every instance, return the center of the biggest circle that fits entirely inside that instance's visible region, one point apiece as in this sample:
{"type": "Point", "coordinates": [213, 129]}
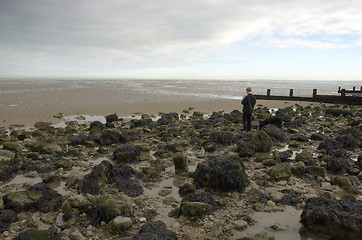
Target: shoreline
{"type": "Point", "coordinates": [32, 113]}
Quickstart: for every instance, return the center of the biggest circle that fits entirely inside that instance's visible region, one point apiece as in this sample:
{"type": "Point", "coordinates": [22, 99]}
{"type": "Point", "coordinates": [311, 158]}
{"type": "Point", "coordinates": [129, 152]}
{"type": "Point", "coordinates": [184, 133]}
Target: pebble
{"type": "Point", "coordinates": [143, 220]}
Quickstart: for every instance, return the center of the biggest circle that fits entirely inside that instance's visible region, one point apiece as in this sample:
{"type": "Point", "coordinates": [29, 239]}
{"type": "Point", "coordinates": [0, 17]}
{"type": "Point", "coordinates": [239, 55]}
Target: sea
{"type": "Point", "coordinates": [204, 89]}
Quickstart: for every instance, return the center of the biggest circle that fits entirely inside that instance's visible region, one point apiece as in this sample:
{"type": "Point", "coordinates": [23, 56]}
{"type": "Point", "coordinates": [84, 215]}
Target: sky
{"type": "Point", "coordinates": [182, 39]}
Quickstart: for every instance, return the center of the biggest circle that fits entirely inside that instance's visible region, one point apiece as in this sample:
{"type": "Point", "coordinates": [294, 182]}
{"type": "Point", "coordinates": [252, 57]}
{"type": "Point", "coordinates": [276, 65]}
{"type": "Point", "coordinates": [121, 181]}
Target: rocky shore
{"type": "Point", "coordinates": [186, 175]}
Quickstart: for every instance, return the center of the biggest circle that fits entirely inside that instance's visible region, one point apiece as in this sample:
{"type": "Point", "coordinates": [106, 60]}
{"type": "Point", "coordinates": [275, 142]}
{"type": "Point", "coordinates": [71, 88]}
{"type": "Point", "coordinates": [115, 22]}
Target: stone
{"type": "Point", "coordinates": [317, 136]}
{"type": "Point", "coordinates": [246, 150]}
{"type": "Point", "coordinates": [154, 230]}
{"type": "Point", "coordinates": [180, 162]}
{"type": "Point", "coordinates": [261, 141]}
{"type": "Point", "coordinates": [280, 172]}
{"type": "Point", "coordinates": [240, 225]}
{"type": "Point", "coordinates": [338, 112]}
{"type": "Point", "coordinates": [120, 224]}
{"type": "Point", "coordinates": [341, 181]}
{"type": "Point", "coordinates": [7, 153]}
{"type": "Point", "coordinates": [76, 235]}
{"type": "Point", "coordinates": [263, 235]}
{"type": "Point", "coordinates": [275, 133]}
{"type": "Point", "coordinates": [193, 209]}
{"type": "Point", "coordinates": [75, 201]}
{"type": "Point", "coordinates": [34, 235]}
{"type": "Point", "coordinates": [276, 196]}
{"type": "Point", "coordinates": [21, 200]}
{"type": "Point", "coordinates": [110, 206]}
{"type": "Point", "coordinates": [337, 219]}
{"type": "Point", "coordinates": [224, 173]}
{"type": "Point", "coordinates": [278, 227]}
{"type": "Point", "coordinates": [111, 118]}
{"type": "Point", "coordinates": [164, 192]}
{"type": "Point", "coordinates": [221, 137]}
{"type": "Point", "coordinates": [187, 188]}
{"type": "Point", "coordinates": [7, 217]}
{"type": "Point", "coordinates": [304, 156]}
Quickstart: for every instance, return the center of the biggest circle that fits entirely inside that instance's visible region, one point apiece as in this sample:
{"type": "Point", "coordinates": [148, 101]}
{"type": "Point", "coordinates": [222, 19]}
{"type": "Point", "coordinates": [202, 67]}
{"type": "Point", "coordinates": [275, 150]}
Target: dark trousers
{"type": "Point", "coordinates": [247, 122]}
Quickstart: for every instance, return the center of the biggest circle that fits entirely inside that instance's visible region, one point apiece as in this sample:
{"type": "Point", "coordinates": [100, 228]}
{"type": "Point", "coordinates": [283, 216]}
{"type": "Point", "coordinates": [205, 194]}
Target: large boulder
{"type": "Point", "coordinates": [338, 165]}
{"type": "Point", "coordinates": [340, 219]}
{"type": "Point", "coordinates": [275, 133]}
{"type": "Point", "coordinates": [221, 173]}
{"type": "Point", "coordinates": [277, 121]}
{"type": "Point", "coordinates": [261, 141]}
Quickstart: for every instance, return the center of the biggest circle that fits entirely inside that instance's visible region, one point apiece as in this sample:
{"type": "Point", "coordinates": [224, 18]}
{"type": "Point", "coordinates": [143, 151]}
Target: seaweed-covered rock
{"type": "Point", "coordinates": [277, 121]}
{"type": "Point", "coordinates": [92, 182]}
{"type": "Point", "coordinates": [180, 162]}
{"type": "Point", "coordinates": [168, 118]}
{"type": "Point", "coordinates": [221, 173]}
{"type": "Point", "coordinates": [280, 172]}
{"type": "Point", "coordinates": [8, 172]}
{"type": "Point", "coordinates": [128, 136]}
{"type": "Point", "coordinates": [338, 165]}
{"type": "Point", "coordinates": [246, 150]}
{"type": "Point", "coordinates": [75, 201]}
{"type": "Point", "coordinates": [154, 230]}
{"type": "Point", "coordinates": [120, 224]}
{"type": "Point", "coordinates": [111, 118]}
{"type": "Point", "coordinates": [96, 126]}
{"type": "Point", "coordinates": [275, 133]}
{"type": "Point", "coordinates": [38, 197]}
{"type": "Point", "coordinates": [105, 173]}
{"type": "Point", "coordinates": [7, 217]}
{"type": "Point", "coordinates": [261, 141]}
{"type": "Point", "coordinates": [299, 137]}
{"type": "Point", "coordinates": [330, 144]}
{"type": "Point", "coordinates": [305, 156]}
{"type": "Point", "coordinates": [338, 112]}
{"type": "Point", "coordinates": [317, 136]}
{"type": "Point", "coordinates": [291, 197]}
{"type": "Point", "coordinates": [187, 188]}
{"type": "Point", "coordinates": [109, 137]}
{"type": "Point", "coordinates": [348, 142]}
{"type": "Point", "coordinates": [127, 154]}
{"type": "Point", "coordinates": [34, 235]}
{"type": "Point", "coordinates": [221, 137]}
{"type": "Point", "coordinates": [341, 219]}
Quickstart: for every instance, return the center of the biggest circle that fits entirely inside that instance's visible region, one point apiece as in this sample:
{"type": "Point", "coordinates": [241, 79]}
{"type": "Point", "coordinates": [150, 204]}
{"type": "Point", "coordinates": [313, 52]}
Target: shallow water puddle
{"type": "Point", "coordinates": [21, 179]}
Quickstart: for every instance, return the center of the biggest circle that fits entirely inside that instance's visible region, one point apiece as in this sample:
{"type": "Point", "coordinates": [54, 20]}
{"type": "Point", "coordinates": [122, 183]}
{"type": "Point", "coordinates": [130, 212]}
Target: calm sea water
{"type": "Point", "coordinates": [194, 88]}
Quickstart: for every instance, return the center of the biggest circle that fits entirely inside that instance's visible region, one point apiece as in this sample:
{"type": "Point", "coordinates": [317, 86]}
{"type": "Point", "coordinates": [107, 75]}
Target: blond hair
{"type": "Point", "coordinates": [248, 89]}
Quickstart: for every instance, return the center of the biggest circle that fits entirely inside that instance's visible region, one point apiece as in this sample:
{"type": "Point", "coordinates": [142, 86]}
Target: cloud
{"type": "Point", "coordinates": [128, 33]}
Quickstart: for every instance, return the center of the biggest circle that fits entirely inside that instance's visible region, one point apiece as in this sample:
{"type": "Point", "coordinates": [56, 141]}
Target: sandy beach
{"type": "Point", "coordinates": [29, 104]}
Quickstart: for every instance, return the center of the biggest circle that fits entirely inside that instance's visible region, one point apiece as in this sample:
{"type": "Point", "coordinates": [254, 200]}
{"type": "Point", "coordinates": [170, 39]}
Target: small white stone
{"type": "Point", "coordinates": [143, 220]}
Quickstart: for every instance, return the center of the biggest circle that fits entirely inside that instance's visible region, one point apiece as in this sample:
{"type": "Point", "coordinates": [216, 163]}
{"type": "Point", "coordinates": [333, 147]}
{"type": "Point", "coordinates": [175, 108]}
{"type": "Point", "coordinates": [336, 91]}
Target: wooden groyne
{"type": "Point", "coordinates": [343, 98]}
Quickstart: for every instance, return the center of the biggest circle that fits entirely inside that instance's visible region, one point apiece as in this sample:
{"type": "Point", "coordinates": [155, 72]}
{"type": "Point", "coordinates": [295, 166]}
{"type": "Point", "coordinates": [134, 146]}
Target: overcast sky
{"type": "Point", "coordinates": [182, 39]}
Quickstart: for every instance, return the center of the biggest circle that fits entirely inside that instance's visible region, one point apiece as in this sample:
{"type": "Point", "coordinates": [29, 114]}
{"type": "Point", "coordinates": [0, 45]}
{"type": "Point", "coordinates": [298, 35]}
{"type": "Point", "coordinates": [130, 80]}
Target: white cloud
{"type": "Point", "coordinates": [129, 33]}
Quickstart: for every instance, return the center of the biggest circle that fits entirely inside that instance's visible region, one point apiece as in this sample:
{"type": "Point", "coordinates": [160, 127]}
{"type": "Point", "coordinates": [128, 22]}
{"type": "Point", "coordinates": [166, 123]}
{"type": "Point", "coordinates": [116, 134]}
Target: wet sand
{"type": "Point", "coordinates": [29, 104]}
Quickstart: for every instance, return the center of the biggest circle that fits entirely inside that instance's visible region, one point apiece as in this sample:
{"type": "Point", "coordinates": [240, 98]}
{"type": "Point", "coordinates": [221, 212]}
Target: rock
{"type": "Point", "coordinates": [291, 197]}
{"type": "Point", "coordinates": [341, 181]}
{"type": "Point", "coordinates": [279, 227]}
{"type": "Point", "coordinates": [180, 162]}
{"type": "Point", "coordinates": [318, 136]}
{"type": "Point", "coordinates": [304, 156]}
{"type": "Point", "coordinates": [330, 144]}
{"type": "Point", "coordinates": [127, 154]}
{"type": "Point", "coordinates": [263, 236]}
{"type": "Point", "coordinates": [221, 173]}
{"type": "Point", "coordinates": [8, 172]}
{"type": "Point", "coordinates": [154, 230]}
{"type": "Point", "coordinates": [209, 146]}
{"type": "Point", "coordinates": [276, 196]}
{"type": "Point", "coordinates": [120, 224]}
{"type": "Point", "coordinates": [7, 217]}
{"type": "Point", "coordinates": [280, 172]}
{"type": "Point", "coordinates": [348, 142]}
{"type": "Point", "coordinates": [76, 235]}
{"type": "Point", "coordinates": [339, 219]}
{"type": "Point", "coordinates": [221, 137]}
{"type": "Point", "coordinates": [276, 121]}
{"type": "Point", "coordinates": [338, 112]}
{"type": "Point", "coordinates": [338, 166]}
{"type": "Point", "coordinates": [109, 137]}
{"type": "Point", "coordinates": [22, 200]}
{"type": "Point", "coordinates": [164, 192]}
{"type": "Point", "coordinates": [275, 133]}
{"type": "Point", "coordinates": [187, 188]}
{"type": "Point", "coordinates": [7, 153]}
{"type": "Point", "coordinates": [246, 150]}
{"type": "Point", "coordinates": [283, 156]}
{"type": "Point", "coordinates": [194, 210]}
{"type": "Point", "coordinates": [240, 225]}
{"type": "Point", "coordinates": [255, 196]}
{"type": "Point", "coordinates": [261, 141]}
{"type": "Point", "coordinates": [12, 146]}
{"type": "Point", "coordinates": [96, 126]}
{"type": "Point", "coordinates": [34, 235]}
{"type": "Point", "coordinates": [111, 118]}
{"type": "Point", "coordinates": [75, 201]}
{"type": "Point", "coordinates": [109, 206]}
{"type": "Point", "coordinates": [299, 138]}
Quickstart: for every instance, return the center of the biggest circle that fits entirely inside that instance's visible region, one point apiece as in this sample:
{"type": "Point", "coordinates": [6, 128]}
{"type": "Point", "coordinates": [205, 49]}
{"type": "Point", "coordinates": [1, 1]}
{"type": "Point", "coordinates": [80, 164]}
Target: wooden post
{"type": "Point", "coordinates": [343, 92]}
{"type": "Point", "coordinates": [339, 89]}
{"type": "Point", "coordinates": [268, 92]}
{"type": "Point", "coordinates": [354, 89]}
{"type": "Point", "coordinates": [314, 93]}
{"type": "Point", "coordinates": [291, 93]}
{"type": "Point", "coordinates": [361, 89]}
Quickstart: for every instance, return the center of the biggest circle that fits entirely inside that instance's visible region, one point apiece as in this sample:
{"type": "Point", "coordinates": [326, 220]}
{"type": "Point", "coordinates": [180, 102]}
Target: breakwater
{"type": "Point", "coordinates": [344, 98]}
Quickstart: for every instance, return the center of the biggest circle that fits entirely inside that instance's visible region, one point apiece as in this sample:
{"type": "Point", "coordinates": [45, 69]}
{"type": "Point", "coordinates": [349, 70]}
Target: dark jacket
{"type": "Point", "coordinates": [248, 102]}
